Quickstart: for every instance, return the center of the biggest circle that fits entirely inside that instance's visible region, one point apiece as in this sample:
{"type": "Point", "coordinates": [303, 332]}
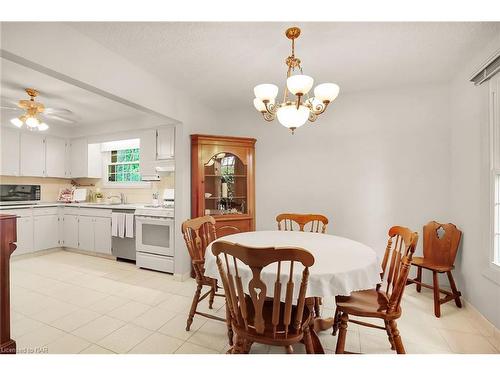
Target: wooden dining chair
{"type": "Point", "coordinates": [316, 223]}
{"type": "Point", "coordinates": [400, 239]}
{"type": "Point", "coordinates": [256, 317]}
{"type": "Point", "coordinates": [440, 245]}
{"type": "Point", "coordinates": [384, 301]}
{"type": "Point", "coordinates": [198, 233]}
{"type": "Point", "coordinates": [302, 222]}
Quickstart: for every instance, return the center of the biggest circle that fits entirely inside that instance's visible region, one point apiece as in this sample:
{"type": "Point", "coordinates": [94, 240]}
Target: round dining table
{"type": "Point", "coordinates": [341, 266]}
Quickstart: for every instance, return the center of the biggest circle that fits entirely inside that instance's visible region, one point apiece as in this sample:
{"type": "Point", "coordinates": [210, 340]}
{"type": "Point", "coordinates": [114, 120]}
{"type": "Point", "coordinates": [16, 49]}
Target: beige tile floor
{"type": "Point", "coordinates": [65, 302]}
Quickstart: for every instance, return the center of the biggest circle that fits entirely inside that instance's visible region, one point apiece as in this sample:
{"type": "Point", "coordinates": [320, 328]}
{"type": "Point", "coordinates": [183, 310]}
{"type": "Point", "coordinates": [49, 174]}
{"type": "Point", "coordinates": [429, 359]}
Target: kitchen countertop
{"type": "Point", "coordinates": [129, 206]}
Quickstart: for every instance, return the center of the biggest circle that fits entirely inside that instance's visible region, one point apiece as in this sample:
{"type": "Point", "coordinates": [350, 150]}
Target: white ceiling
{"type": "Point", "coordinates": [89, 109]}
{"type": "Point", "coordinates": [220, 63]}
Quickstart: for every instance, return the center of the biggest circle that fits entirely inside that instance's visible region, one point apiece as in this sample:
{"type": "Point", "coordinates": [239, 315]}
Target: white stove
{"type": "Point", "coordinates": [155, 211]}
{"type": "Point", "coordinates": [154, 240]}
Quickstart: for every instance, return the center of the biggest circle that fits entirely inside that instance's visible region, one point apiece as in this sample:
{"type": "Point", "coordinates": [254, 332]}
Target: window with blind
{"type": "Point", "coordinates": [494, 107]}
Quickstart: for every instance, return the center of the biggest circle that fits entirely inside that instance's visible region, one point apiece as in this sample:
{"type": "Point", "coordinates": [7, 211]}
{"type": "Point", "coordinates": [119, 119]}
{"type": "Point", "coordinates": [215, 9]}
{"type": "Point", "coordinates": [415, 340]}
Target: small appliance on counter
{"type": "Point", "coordinates": [79, 195]}
{"type": "Point", "coordinates": [65, 195]}
{"type": "Point", "coordinates": [168, 198]}
{"type": "Point", "coordinates": [19, 194]}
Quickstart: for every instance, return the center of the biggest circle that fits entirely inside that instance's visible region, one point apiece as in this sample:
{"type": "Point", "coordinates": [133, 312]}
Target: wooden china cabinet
{"type": "Point", "coordinates": [223, 181]}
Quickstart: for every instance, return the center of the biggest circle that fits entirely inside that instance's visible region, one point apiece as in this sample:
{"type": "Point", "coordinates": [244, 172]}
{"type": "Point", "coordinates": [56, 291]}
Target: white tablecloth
{"type": "Point", "coordinates": [341, 265]}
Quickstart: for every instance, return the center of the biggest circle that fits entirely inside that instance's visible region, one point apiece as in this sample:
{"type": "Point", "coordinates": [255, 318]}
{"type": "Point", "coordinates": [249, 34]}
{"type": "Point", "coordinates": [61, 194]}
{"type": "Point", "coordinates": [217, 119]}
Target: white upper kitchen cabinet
{"type": "Point", "coordinates": [32, 155]}
{"type": "Point", "coordinates": [55, 157]}
{"type": "Point", "coordinates": [85, 159]}
{"type": "Point", "coordinates": [70, 231]}
{"type": "Point", "coordinates": [102, 235]}
{"type": "Point", "coordinates": [147, 160]}
{"type": "Point", "coordinates": [46, 231]}
{"type": "Point", "coordinates": [10, 152]}
{"type": "Point", "coordinates": [157, 152]}
{"type": "Point", "coordinates": [165, 142]}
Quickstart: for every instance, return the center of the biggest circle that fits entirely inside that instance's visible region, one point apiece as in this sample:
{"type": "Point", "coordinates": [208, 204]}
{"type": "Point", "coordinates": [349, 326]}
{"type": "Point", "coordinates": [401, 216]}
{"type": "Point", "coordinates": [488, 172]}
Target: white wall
{"type": "Point", "coordinates": [373, 160]}
{"type": "Point", "coordinates": [470, 186]}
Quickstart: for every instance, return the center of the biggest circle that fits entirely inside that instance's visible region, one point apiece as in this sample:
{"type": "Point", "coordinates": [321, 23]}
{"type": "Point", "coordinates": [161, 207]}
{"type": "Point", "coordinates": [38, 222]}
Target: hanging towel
{"type": "Point", "coordinates": [114, 224]}
{"type": "Point", "coordinates": [121, 225]}
{"type": "Point", "coordinates": [129, 225]}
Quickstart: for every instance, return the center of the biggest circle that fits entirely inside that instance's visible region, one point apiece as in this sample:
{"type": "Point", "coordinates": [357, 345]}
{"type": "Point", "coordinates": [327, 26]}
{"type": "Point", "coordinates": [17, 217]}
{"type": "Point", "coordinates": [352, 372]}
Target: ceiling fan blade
{"type": "Point", "coordinates": [10, 108]}
{"type": "Point", "coordinates": [58, 118]}
{"type": "Point", "coordinates": [58, 111]}
{"type": "Point", "coordinates": [9, 101]}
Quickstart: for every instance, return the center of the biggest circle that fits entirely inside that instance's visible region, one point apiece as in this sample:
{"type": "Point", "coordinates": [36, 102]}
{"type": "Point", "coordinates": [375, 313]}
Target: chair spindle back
{"type": "Point", "coordinates": [247, 311]}
{"type": "Point", "coordinates": [305, 222]}
{"type": "Point", "coordinates": [198, 234]}
{"type": "Point", "coordinates": [402, 243]}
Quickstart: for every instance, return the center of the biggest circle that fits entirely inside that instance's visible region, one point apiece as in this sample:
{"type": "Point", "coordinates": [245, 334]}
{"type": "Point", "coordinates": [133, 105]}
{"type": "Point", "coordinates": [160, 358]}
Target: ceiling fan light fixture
{"type": "Point", "coordinates": [32, 122]}
{"type": "Point", "coordinates": [17, 122]}
{"type": "Point", "coordinates": [43, 126]}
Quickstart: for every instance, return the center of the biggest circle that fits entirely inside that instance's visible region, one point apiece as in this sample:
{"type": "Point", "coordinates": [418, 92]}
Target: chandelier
{"type": "Point", "coordinates": [293, 112]}
{"type": "Point", "coordinates": [32, 110]}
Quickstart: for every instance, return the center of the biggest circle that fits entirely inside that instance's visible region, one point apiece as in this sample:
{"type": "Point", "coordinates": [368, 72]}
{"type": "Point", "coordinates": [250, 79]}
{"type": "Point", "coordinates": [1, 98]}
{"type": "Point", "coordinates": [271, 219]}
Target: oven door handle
{"type": "Point", "coordinates": [151, 218]}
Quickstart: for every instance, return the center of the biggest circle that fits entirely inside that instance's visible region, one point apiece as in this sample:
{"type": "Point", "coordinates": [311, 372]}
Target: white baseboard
{"type": "Point", "coordinates": [486, 328]}
{"type": "Point", "coordinates": [182, 276]}
{"type": "Point", "coordinates": [35, 253]}
{"type": "Point", "coordinates": [89, 253]}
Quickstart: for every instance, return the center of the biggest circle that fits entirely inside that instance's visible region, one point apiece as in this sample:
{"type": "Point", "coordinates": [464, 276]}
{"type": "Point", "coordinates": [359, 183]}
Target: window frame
{"type": "Point", "coordinates": [106, 162]}
{"type": "Point", "coordinates": [492, 271]}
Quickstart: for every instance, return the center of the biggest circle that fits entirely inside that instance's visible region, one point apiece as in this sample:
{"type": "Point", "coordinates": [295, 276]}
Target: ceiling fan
{"type": "Point", "coordinates": [34, 110]}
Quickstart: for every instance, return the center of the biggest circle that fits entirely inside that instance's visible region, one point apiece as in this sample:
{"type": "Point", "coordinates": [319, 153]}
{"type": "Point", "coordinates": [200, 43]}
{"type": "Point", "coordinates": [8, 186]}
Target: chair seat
{"type": "Point", "coordinates": [368, 303]}
{"type": "Point", "coordinates": [422, 262]}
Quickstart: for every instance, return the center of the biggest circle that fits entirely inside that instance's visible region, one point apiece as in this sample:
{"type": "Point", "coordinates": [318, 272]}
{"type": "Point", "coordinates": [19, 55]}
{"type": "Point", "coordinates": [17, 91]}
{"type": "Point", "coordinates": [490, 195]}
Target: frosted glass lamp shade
{"type": "Point", "coordinates": [299, 84]}
{"type": "Point", "coordinates": [32, 122]}
{"type": "Point", "coordinates": [326, 92]}
{"type": "Point", "coordinates": [291, 117]}
{"type": "Point", "coordinates": [17, 122]}
{"type": "Point", "coordinates": [266, 91]}
{"type": "Point", "coordinates": [43, 126]}
{"type": "Point", "coordinates": [259, 105]}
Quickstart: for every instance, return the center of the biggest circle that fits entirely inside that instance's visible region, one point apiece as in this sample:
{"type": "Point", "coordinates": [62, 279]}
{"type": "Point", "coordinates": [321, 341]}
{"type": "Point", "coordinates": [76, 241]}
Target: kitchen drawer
{"type": "Point", "coordinates": [39, 211]}
{"type": "Point", "coordinates": [21, 212]}
{"type": "Point", "coordinates": [71, 211]}
{"type": "Point", "coordinates": [95, 212]}
{"type": "Point", "coordinates": [155, 262]}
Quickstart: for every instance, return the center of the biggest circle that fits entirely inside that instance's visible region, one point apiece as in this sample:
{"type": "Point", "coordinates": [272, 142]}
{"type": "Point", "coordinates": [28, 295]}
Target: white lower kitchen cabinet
{"type": "Point", "coordinates": [46, 232]}
{"type": "Point", "coordinates": [86, 233]}
{"type": "Point", "coordinates": [24, 235]}
{"type": "Point", "coordinates": [70, 231]}
{"type": "Point", "coordinates": [102, 235]}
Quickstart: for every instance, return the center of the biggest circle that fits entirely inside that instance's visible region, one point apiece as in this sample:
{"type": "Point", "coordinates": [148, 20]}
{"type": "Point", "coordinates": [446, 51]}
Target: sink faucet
{"type": "Point", "coordinates": [119, 195]}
